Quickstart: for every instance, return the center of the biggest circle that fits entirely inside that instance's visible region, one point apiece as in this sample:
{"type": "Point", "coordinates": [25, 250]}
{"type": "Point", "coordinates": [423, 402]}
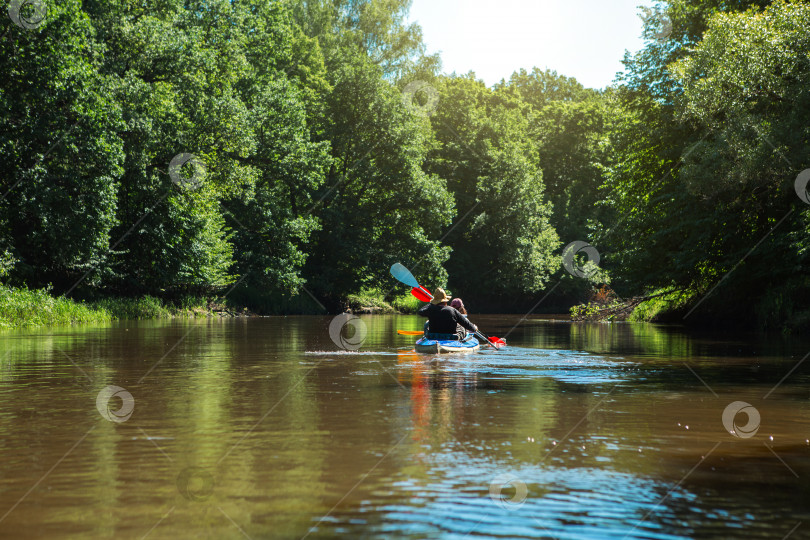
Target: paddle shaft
{"type": "Point", "coordinates": [486, 340]}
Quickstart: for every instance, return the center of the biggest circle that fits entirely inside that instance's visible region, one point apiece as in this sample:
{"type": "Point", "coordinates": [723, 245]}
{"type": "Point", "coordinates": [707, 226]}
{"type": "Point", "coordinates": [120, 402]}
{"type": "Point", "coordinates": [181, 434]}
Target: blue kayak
{"type": "Point", "coordinates": [433, 346]}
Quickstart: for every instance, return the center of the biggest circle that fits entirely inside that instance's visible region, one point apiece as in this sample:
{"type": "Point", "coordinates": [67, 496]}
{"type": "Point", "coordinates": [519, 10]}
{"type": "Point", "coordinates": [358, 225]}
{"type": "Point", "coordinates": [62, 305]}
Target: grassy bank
{"type": "Point", "coordinates": [24, 307]}
{"type": "Point", "coordinates": [660, 305]}
{"type": "Point", "coordinates": [373, 301]}
{"type": "Point", "coordinates": [21, 307]}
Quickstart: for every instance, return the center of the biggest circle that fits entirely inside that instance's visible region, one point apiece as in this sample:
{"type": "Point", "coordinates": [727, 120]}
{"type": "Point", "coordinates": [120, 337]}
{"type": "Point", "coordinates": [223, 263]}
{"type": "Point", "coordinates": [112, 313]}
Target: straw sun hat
{"type": "Point", "coordinates": [439, 296]}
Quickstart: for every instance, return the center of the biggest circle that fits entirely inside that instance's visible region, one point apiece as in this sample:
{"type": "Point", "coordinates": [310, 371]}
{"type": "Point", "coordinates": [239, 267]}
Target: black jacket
{"type": "Point", "coordinates": [443, 319]}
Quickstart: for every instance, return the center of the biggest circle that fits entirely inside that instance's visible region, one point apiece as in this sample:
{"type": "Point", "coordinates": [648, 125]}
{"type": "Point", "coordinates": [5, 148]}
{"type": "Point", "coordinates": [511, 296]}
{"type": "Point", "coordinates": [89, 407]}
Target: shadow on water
{"type": "Point", "coordinates": [265, 428]}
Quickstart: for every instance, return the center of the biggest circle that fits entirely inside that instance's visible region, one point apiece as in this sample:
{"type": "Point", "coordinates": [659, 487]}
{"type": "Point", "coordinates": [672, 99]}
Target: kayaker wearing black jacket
{"type": "Point", "coordinates": [443, 319]}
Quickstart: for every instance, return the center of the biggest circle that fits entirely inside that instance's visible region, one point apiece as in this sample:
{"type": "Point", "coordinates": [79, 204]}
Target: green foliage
{"type": "Point", "coordinates": [502, 241]}
{"type": "Point", "coordinates": [146, 307]}
{"type": "Point", "coordinates": [60, 156]}
{"type": "Point", "coordinates": [406, 303]}
{"type": "Point", "coordinates": [149, 307]}
{"type": "Point", "coordinates": [374, 300]}
{"type": "Point", "coordinates": [674, 302]}
{"type": "Point", "coordinates": [540, 88]}
{"type": "Point", "coordinates": [173, 103]}
{"type": "Point", "coordinates": [377, 28]}
{"type": "Point", "coordinates": [315, 172]}
{"type": "Point", "coordinates": [572, 141]}
{"type": "Point", "coordinates": [26, 307]}
{"type": "Point", "coordinates": [745, 86]}
{"type": "Point", "coordinates": [377, 206]}
{"type": "Point", "coordinates": [603, 305]}
{"type": "Point", "coordinates": [369, 300]}
{"type": "Point", "coordinates": [7, 262]}
{"type": "Point", "coordinates": [584, 312]}
{"type": "Point", "coordinates": [710, 135]}
{"type": "Point", "coordinates": [22, 307]}
{"type": "Point", "coordinates": [270, 217]}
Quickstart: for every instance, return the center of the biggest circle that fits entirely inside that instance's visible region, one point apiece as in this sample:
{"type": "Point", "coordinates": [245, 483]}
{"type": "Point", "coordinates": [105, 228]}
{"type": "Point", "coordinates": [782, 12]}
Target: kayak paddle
{"type": "Point", "coordinates": [410, 332]}
{"type": "Point", "coordinates": [405, 276]}
{"type": "Point", "coordinates": [496, 341]}
{"type": "Point", "coordinates": [420, 294]}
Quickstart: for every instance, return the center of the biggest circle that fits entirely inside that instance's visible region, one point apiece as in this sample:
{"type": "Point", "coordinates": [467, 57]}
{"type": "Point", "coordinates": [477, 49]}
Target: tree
{"type": "Point", "coordinates": [220, 81]}
{"type": "Point", "coordinates": [378, 206]}
{"type": "Point", "coordinates": [569, 126]}
{"type": "Point", "coordinates": [502, 241]}
{"type": "Point", "coordinates": [378, 28]}
{"type": "Point", "coordinates": [745, 88]}
{"type": "Point", "coordinates": [655, 212]}
{"type": "Point", "coordinates": [59, 154]}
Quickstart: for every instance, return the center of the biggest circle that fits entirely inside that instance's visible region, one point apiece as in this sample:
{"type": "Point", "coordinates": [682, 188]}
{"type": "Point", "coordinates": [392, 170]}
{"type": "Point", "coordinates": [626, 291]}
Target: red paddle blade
{"type": "Point", "coordinates": [498, 342]}
{"type": "Point", "coordinates": [420, 294]}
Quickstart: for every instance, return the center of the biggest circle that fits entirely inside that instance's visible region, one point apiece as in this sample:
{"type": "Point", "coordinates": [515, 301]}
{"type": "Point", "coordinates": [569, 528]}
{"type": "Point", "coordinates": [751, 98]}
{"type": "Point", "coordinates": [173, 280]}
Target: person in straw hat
{"type": "Point", "coordinates": [445, 322]}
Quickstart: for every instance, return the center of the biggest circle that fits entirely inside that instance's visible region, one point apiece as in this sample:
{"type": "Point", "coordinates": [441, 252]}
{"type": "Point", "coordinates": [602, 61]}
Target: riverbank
{"type": "Point", "coordinates": [606, 306]}
{"type": "Point", "coordinates": [22, 307]}
{"type": "Point", "coordinates": [374, 302]}
{"type": "Point", "coordinates": [783, 310]}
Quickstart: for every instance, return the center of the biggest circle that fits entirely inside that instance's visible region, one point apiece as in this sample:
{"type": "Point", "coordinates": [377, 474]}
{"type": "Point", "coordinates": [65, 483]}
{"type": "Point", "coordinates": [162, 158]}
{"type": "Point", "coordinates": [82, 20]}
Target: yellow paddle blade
{"type": "Point", "coordinates": [410, 332]}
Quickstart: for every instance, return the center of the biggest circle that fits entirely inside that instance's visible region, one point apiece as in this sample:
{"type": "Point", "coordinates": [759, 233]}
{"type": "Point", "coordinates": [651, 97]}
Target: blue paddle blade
{"type": "Point", "coordinates": [404, 275]}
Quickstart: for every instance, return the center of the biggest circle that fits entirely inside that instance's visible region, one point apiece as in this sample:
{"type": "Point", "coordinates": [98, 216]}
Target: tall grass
{"type": "Point", "coordinates": [147, 307]}
{"type": "Point", "coordinates": [406, 303]}
{"type": "Point", "coordinates": [374, 300]}
{"type": "Point", "coordinates": [369, 300]}
{"type": "Point", "coordinates": [21, 307]}
{"type": "Point", "coordinates": [25, 307]}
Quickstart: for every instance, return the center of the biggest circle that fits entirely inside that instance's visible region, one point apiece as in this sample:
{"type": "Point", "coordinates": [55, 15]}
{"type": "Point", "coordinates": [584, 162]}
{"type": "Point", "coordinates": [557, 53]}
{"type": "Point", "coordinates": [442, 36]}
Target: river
{"type": "Point", "coordinates": [276, 428]}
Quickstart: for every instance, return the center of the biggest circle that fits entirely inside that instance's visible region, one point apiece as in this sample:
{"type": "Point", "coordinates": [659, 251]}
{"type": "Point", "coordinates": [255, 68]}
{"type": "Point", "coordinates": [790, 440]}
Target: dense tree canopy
{"type": "Point", "coordinates": [282, 146]}
{"type": "Point", "coordinates": [711, 136]}
{"type": "Point", "coordinates": [502, 242]}
{"type": "Point", "coordinates": [60, 154]}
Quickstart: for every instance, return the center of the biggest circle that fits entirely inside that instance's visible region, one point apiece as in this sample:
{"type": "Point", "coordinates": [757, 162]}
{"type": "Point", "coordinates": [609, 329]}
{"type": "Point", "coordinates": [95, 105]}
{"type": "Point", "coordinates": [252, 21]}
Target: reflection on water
{"type": "Point", "coordinates": [263, 428]}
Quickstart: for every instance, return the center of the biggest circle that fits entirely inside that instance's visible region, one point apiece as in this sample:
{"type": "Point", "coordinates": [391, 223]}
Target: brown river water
{"type": "Point", "coordinates": [275, 428]}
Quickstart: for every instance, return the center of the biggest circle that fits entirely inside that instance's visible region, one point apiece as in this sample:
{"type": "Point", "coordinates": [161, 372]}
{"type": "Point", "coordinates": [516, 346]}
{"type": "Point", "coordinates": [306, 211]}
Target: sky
{"type": "Point", "coordinates": [585, 39]}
